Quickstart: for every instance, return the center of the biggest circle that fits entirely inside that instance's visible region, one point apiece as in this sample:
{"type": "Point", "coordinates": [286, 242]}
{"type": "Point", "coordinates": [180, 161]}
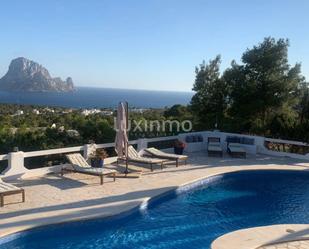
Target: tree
{"type": "Point", "coordinates": [178, 112]}
{"type": "Point", "coordinates": [303, 110]}
{"type": "Point", "coordinates": [209, 101]}
{"type": "Point", "coordinates": [304, 104]}
{"type": "Point", "coordinates": [263, 85]}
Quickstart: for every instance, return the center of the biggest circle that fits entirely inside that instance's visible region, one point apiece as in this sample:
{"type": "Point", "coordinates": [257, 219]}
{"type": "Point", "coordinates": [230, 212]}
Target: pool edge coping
{"type": "Point", "coordinates": [146, 201]}
{"type": "Point", "coordinates": [256, 237]}
{"type": "Point", "coordinates": [138, 208]}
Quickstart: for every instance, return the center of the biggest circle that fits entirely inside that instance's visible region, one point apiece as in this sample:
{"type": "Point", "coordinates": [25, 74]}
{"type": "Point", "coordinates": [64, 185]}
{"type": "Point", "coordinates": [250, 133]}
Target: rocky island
{"type": "Point", "coordinates": [27, 75]}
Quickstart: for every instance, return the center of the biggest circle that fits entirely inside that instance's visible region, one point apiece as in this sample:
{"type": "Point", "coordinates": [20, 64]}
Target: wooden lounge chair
{"type": "Point", "coordinates": [236, 150]}
{"type": "Point", "coordinates": [169, 156]}
{"type": "Point", "coordinates": [80, 165]}
{"type": "Point", "coordinates": [214, 147]}
{"type": "Point", "coordinates": [134, 157]}
{"type": "Point", "coordinates": [9, 189]}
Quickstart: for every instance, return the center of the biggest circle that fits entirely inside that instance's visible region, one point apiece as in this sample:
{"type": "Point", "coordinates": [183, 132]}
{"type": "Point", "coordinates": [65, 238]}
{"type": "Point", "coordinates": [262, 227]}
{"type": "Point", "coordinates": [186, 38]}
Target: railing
{"type": "Point", "coordinates": [16, 160]}
{"type": "Point", "coordinates": [161, 144]}
{"type": "Point", "coordinates": [53, 151]}
{"type": "Point", "coordinates": [280, 145]}
{"type": "Point", "coordinates": [3, 162]}
{"type": "Point", "coordinates": [281, 141]}
{"type": "Point", "coordinates": [3, 157]}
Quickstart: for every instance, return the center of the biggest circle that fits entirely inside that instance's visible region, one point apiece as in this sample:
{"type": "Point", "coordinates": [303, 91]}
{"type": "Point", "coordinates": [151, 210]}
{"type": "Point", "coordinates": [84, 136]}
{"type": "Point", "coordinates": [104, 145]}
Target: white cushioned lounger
{"type": "Point", "coordinates": [133, 156]}
{"type": "Point", "coordinates": [80, 165]}
{"type": "Point", "coordinates": [236, 150]}
{"type": "Point", "coordinates": [9, 189]}
{"type": "Point", "coordinates": [169, 156]}
{"type": "Point", "coordinates": [214, 147]}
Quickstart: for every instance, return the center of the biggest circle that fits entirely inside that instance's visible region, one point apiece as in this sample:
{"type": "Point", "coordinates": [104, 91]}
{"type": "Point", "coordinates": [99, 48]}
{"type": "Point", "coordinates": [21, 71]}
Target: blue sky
{"type": "Point", "coordinates": [145, 44]}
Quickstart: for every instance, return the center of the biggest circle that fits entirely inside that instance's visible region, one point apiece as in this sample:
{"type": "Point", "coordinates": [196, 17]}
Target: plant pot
{"type": "Point", "coordinates": [101, 163]}
{"type": "Point", "coordinates": [97, 162]}
{"type": "Point", "coordinates": [178, 150]}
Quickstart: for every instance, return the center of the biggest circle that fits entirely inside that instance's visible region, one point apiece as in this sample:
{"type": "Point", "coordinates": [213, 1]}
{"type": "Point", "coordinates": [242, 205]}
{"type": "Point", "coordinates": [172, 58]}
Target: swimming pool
{"type": "Point", "coordinates": [190, 219]}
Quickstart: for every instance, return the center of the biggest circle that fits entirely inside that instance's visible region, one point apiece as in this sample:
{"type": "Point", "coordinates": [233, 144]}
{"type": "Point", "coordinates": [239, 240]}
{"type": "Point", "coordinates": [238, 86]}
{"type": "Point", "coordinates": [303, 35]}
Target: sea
{"type": "Point", "coordinates": [89, 97]}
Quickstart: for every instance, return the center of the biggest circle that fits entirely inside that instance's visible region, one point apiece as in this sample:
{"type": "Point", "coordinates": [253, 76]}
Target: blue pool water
{"type": "Point", "coordinates": [191, 219]}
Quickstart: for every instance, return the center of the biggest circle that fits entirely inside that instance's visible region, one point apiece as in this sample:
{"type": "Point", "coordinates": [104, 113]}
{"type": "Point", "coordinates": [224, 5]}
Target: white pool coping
{"type": "Point", "coordinates": [124, 195]}
{"type": "Point", "coordinates": [256, 237]}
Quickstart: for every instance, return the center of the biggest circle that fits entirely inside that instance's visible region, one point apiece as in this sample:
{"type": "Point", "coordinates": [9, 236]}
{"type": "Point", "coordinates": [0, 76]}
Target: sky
{"type": "Point", "coordinates": [145, 44]}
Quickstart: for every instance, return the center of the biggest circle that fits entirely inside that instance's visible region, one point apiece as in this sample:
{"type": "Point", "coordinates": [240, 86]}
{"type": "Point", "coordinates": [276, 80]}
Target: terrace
{"type": "Point", "coordinates": [51, 198]}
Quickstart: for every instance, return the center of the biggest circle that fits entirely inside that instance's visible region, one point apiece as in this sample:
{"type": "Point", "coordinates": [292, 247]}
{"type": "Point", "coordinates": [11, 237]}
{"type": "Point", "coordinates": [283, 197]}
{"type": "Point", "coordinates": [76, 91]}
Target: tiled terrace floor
{"type": "Point", "coordinates": [302, 244]}
{"type": "Point", "coordinates": [53, 198]}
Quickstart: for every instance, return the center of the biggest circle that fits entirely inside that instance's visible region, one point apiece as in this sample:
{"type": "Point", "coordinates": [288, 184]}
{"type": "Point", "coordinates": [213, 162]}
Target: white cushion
{"type": "Point", "coordinates": [159, 153]}
{"type": "Point", "coordinates": [77, 159]}
{"type": "Point", "coordinates": [235, 147]}
{"type": "Point", "coordinates": [80, 164]}
{"type": "Point", "coordinates": [7, 187]}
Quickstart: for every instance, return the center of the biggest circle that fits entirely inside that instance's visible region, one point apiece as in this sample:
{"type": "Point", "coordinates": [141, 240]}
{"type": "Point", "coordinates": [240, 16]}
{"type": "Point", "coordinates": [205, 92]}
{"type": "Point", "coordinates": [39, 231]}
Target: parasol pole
{"type": "Point", "coordinates": [127, 142]}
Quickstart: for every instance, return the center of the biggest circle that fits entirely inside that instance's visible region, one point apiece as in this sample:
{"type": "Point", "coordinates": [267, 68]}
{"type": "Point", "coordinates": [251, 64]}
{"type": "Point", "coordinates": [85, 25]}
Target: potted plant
{"type": "Point", "coordinates": [178, 147]}
{"type": "Point", "coordinates": [97, 160]}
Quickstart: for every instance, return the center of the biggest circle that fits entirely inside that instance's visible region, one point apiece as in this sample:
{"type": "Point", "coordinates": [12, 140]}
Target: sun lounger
{"type": "Point", "coordinates": [169, 156]}
{"type": "Point", "coordinates": [214, 147]}
{"type": "Point", "coordinates": [9, 189]}
{"type": "Point", "coordinates": [134, 157]}
{"type": "Point", "coordinates": [236, 150]}
{"type": "Point", "coordinates": [80, 165]}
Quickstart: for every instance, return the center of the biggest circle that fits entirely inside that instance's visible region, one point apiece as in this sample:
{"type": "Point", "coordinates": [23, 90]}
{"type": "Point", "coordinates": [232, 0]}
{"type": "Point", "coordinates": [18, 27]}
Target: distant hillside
{"type": "Point", "coordinates": [27, 75]}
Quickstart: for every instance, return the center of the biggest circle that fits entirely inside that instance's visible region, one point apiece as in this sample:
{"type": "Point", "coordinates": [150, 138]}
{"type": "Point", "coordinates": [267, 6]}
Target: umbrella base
{"type": "Point", "coordinates": [127, 172]}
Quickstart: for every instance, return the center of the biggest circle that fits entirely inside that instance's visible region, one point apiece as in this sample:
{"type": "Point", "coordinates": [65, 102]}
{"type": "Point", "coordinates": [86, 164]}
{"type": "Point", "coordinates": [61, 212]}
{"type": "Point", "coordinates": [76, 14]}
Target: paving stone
{"type": "Point", "coordinates": [301, 244]}
{"type": "Point", "coordinates": [52, 198]}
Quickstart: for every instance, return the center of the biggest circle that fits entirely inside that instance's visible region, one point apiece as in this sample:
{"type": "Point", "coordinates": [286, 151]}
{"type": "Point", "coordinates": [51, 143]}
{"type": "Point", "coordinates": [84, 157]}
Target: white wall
{"type": "Point", "coordinates": [16, 168]}
{"type": "Point", "coordinates": [258, 146]}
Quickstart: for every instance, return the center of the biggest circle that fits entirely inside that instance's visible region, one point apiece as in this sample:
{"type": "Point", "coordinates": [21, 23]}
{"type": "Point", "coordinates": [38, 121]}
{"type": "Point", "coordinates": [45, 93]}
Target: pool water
{"type": "Point", "coordinates": [191, 219]}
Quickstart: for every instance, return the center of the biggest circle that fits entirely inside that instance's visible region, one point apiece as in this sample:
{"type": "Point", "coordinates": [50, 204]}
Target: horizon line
{"type": "Point", "coordinates": [133, 89]}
